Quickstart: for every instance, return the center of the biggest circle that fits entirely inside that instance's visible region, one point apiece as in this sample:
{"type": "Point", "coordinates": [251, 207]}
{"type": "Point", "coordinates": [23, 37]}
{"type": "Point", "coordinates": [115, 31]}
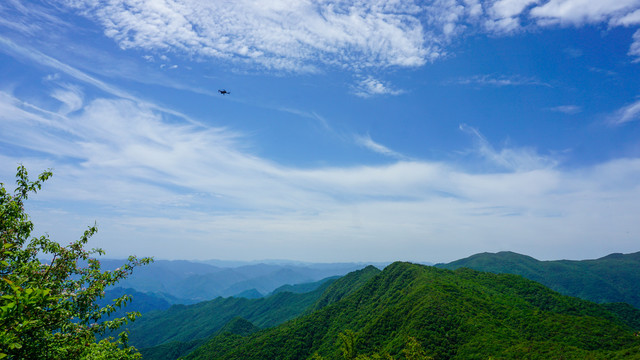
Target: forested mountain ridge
{"type": "Point", "coordinates": [188, 322]}
{"type": "Point", "coordinates": [141, 302]}
{"type": "Point", "coordinates": [173, 350]}
{"type": "Point", "coordinates": [612, 278]}
{"type": "Point", "coordinates": [462, 314]}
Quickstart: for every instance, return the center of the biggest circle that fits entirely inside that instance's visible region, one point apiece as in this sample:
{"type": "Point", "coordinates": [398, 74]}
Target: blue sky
{"type": "Point", "coordinates": [354, 131]}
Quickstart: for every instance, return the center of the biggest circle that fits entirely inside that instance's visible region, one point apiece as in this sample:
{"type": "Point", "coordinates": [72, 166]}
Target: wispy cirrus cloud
{"type": "Point", "coordinates": [20, 16]}
{"type": "Point", "coordinates": [499, 81]}
{"type": "Point", "coordinates": [309, 115]}
{"type": "Point", "coordinates": [634, 49]}
{"type": "Point", "coordinates": [70, 96]}
{"type": "Point", "coordinates": [367, 142]}
{"type": "Point", "coordinates": [510, 158]}
{"type": "Point", "coordinates": [626, 114]}
{"type": "Point", "coordinates": [150, 177]}
{"type": "Point", "coordinates": [566, 109]}
{"type": "Point", "coordinates": [370, 86]}
{"type": "Point", "coordinates": [20, 51]}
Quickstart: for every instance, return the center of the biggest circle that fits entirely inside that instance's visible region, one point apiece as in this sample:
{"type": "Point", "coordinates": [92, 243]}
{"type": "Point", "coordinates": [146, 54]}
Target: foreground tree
{"type": "Point", "coordinates": [347, 346]}
{"type": "Point", "coordinates": [48, 309]}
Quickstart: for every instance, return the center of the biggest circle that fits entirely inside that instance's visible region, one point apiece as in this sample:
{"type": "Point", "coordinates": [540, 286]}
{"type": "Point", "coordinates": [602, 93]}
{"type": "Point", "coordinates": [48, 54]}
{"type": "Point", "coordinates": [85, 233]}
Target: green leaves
{"type": "Point", "coordinates": [49, 310]}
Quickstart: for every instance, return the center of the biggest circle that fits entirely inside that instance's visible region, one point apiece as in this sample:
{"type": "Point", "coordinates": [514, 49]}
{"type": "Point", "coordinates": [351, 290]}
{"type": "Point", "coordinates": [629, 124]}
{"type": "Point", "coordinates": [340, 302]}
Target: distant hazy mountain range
{"type": "Point", "coordinates": [187, 282]}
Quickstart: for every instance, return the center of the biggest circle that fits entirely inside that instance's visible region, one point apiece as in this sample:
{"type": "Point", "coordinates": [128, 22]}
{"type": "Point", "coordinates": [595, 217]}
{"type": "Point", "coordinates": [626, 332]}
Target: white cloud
{"type": "Point", "coordinates": [573, 52]}
{"type": "Point", "coordinates": [27, 18]}
{"type": "Point", "coordinates": [627, 114]}
{"type": "Point", "coordinates": [567, 109]}
{"type": "Point", "coordinates": [52, 77]}
{"type": "Point", "coordinates": [473, 8]}
{"type": "Point", "coordinates": [578, 12]}
{"type": "Point", "coordinates": [629, 19]}
{"type": "Point", "coordinates": [151, 180]}
{"type": "Point", "coordinates": [307, 35]}
{"type": "Point", "coordinates": [309, 115]}
{"type": "Point", "coordinates": [370, 86]}
{"type": "Point", "coordinates": [34, 55]}
{"type": "Point", "coordinates": [513, 159]}
{"type": "Point", "coordinates": [70, 96]}
{"type": "Point", "coordinates": [500, 81]}
{"type": "Point", "coordinates": [367, 142]}
{"type": "Point", "coordinates": [634, 50]}
{"type": "Point", "coordinates": [510, 8]}
{"type": "Point", "coordinates": [505, 15]}
{"type": "Point", "coordinates": [289, 35]}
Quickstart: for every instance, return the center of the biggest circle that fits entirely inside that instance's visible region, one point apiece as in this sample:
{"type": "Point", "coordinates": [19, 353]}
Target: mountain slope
{"type": "Point", "coordinates": [613, 278]}
{"type": "Point", "coordinates": [185, 323]}
{"type": "Point", "coordinates": [173, 350]}
{"type": "Point", "coordinates": [303, 288]}
{"type": "Point", "coordinates": [461, 314]}
{"type": "Point", "coordinates": [189, 322]}
{"type": "Point", "coordinates": [140, 302]}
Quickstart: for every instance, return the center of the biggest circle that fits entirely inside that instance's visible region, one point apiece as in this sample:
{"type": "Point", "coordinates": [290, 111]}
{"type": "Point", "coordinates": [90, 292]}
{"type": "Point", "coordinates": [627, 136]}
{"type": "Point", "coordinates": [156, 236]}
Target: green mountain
{"type": "Point", "coordinates": [141, 302]}
{"type": "Point", "coordinates": [173, 350]}
{"type": "Point", "coordinates": [303, 288]}
{"type": "Point", "coordinates": [189, 322]}
{"type": "Point", "coordinates": [239, 326]}
{"type": "Point", "coordinates": [249, 294]}
{"type": "Point", "coordinates": [461, 314]}
{"type": "Point", "coordinates": [184, 323]}
{"type": "Point", "coordinates": [613, 278]}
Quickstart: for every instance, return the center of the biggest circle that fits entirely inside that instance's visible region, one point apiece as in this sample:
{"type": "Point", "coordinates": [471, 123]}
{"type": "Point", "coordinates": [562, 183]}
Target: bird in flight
{"type": "Point", "coordinates": [223, 92]}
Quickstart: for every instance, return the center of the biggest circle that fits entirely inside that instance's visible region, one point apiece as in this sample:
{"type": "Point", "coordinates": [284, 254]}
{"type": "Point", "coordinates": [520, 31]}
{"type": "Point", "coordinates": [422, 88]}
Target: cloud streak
{"type": "Point", "coordinates": [626, 114]}
{"type": "Point", "coordinates": [513, 159]}
{"type": "Point", "coordinates": [367, 142]}
{"type": "Point", "coordinates": [147, 176]}
{"type": "Point", "coordinates": [567, 109]}
{"type": "Point", "coordinates": [370, 86]}
{"type": "Point", "coordinates": [500, 81]}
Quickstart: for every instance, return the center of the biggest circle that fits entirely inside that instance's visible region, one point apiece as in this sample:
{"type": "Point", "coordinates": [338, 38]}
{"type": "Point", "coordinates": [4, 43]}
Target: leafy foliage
{"type": "Point", "coordinates": [626, 313]}
{"type": "Point", "coordinates": [346, 344]}
{"type": "Point", "coordinates": [49, 310]}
